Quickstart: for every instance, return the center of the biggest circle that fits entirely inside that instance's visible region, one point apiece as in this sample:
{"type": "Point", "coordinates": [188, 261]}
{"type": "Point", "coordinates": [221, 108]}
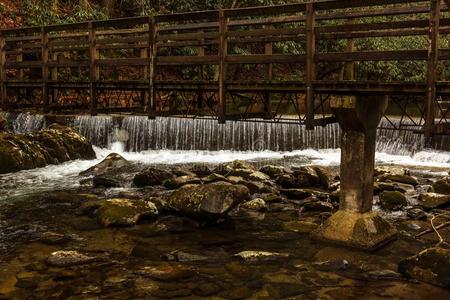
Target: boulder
{"type": "Point", "coordinates": [406, 179]}
{"type": "Point", "coordinates": [177, 182]}
{"type": "Point", "coordinates": [106, 182]}
{"type": "Point", "coordinates": [54, 145]}
{"type": "Point", "coordinates": [442, 186]}
{"type": "Point", "coordinates": [273, 171]}
{"type": "Point", "coordinates": [200, 169]}
{"type": "Point", "coordinates": [124, 212]}
{"type": "Point", "coordinates": [214, 177]}
{"type": "Point", "coordinates": [325, 177]}
{"type": "Point", "coordinates": [431, 265]}
{"type": "Point", "coordinates": [321, 206]}
{"type": "Point", "coordinates": [434, 200]}
{"type": "Point", "coordinates": [151, 176]}
{"type": "Point", "coordinates": [310, 173]}
{"type": "Point", "coordinates": [112, 161]}
{"type": "Point", "coordinates": [392, 200]}
{"type": "Point", "coordinates": [297, 193]}
{"type": "Point", "coordinates": [391, 170]}
{"type": "Point", "coordinates": [416, 214]}
{"type": "Point", "coordinates": [255, 204]}
{"type": "Point", "coordinates": [289, 181]}
{"type": "Point", "coordinates": [227, 168]}
{"type": "Point", "coordinates": [208, 201]}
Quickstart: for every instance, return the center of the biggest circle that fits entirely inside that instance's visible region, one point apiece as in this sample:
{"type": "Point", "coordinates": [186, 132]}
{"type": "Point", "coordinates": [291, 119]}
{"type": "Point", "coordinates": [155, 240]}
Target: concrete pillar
{"type": "Point", "coordinates": [355, 224]}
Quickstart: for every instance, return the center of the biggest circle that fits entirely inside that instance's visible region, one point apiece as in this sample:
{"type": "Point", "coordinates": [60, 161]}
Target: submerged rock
{"type": "Point", "coordinates": [68, 258]}
{"type": "Point", "coordinates": [431, 265]}
{"type": "Point", "coordinates": [261, 256]}
{"type": "Point", "coordinates": [300, 226]}
{"type": "Point", "coordinates": [210, 201]}
{"type": "Point", "coordinates": [151, 176]}
{"type": "Point", "coordinates": [54, 145]}
{"type": "Point", "coordinates": [434, 200]}
{"type": "Point", "coordinates": [167, 272]}
{"type": "Point", "coordinates": [106, 182]}
{"type": "Point", "coordinates": [124, 212]}
{"type": "Point", "coordinates": [392, 200]}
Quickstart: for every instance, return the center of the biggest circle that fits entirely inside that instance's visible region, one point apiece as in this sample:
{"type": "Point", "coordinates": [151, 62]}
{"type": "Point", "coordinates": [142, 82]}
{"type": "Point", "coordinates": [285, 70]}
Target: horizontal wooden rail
{"type": "Point", "coordinates": [311, 48]}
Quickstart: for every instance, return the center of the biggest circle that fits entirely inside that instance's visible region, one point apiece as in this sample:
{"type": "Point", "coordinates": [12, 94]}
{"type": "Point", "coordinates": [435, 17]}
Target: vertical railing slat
{"type": "Point", "coordinates": [3, 95]}
{"type": "Point", "coordinates": [223, 51]}
{"type": "Point", "coordinates": [310, 64]}
{"type": "Point", "coordinates": [153, 51]}
{"type": "Point", "coordinates": [93, 69]}
{"type": "Point", "coordinates": [432, 60]}
{"type": "Point", "coordinates": [45, 70]}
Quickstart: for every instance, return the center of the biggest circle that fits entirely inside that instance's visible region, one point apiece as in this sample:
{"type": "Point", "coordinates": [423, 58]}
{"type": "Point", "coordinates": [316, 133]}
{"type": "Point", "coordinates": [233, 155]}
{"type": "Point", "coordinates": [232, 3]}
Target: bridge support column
{"type": "Point", "coordinates": [355, 224]}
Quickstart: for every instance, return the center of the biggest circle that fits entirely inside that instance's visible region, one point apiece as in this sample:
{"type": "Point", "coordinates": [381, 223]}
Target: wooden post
{"type": "Point", "coordinates": [54, 75]}
{"type": "Point", "coordinates": [144, 54]}
{"type": "Point", "coordinates": [3, 96]}
{"type": "Point", "coordinates": [94, 73]}
{"type": "Point", "coordinates": [19, 58]}
{"type": "Point", "coordinates": [223, 50]}
{"type": "Point", "coordinates": [310, 64]}
{"type": "Point", "coordinates": [45, 72]}
{"type": "Point", "coordinates": [200, 52]}
{"type": "Point", "coordinates": [268, 51]}
{"type": "Point", "coordinates": [432, 61]}
{"type": "Point", "coordinates": [153, 51]}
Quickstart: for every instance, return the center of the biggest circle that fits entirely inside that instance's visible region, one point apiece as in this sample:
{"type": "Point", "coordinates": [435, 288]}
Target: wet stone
{"type": "Point", "coordinates": [124, 212]}
{"type": "Point", "coordinates": [69, 258]}
{"type": "Point", "coordinates": [167, 272]}
{"type": "Point", "coordinates": [442, 186]}
{"type": "Point", "coordinates": [416, 214]}
{"type": "Point", "coordinates": [434, 200]}
{"type": "Point", "coordinates": [273, 171]}
{"type": "Point", "coordinates": [431, 265]}
{"type": "Point", "coordinates": [300, 226]}
{"type": "Point", "coordinates": [392, 200]}
{"type": "Point", "coordinates": [261, 256]}
{"type": "Point", "coordinates": [255, 204]}
{"type": "Point", "coordinates": [151, 176]}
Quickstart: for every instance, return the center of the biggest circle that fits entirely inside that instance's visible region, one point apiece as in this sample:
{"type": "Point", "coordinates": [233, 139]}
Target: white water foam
{"type": "Point", "coordinates": [65, 176]}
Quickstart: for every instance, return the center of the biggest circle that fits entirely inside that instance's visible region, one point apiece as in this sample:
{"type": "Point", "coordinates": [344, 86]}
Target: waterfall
{"type": "Point", "coordinates": [138, 133]}
{"type": "Point", "coordinates": [97, 129]}
{"type": "Point", "coordinates": [206, 134]}
{"type": "Point", "coordinates": [25, 122]}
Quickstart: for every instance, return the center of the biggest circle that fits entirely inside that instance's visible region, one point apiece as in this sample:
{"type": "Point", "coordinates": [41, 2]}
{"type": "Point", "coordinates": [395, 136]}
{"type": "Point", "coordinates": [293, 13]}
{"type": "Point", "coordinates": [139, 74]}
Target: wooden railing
{"type": "Point", "coordinates": [231, 64]}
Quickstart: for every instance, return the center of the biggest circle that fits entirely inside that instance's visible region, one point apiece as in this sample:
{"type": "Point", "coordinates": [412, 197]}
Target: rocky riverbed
{"type": "Point", "coordinates": [233, 230]}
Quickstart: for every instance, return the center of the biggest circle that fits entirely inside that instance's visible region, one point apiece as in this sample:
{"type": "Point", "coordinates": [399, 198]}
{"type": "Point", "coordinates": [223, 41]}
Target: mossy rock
{"type": "Point", "coordinates": [392, 200]}
{"type": "Point", "coordinates": [431, 265]}
{"type": "Point", "coordinates": [124, 212]}
{"type": "Point", "coordinates": [152, 176]}
{"type": "Point", "coordinates": [209, 201]}
{"type": "Point", "coordinates": [273, 171]}
{"type": "Point", "coordinates": [113, 160]}
{"type": "Point", "coordinates": [54, 145]}
{"type": "Point", "coordinates": [434, 200]}
{"type": "Point", "coordinates": [407, 179]}
{"type": "Point", "coordinates": [442, 186]}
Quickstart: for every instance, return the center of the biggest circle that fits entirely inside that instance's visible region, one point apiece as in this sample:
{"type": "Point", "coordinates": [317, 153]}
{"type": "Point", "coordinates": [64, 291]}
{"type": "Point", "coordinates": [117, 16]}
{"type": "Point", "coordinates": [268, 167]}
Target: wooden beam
{"type": "Point", "coordinates": [432, 61]}
{"type": "Point", "coordinates": [310, 68]}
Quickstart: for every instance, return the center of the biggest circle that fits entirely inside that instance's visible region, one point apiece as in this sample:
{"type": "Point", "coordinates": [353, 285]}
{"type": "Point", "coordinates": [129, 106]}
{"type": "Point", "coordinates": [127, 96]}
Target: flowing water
{"type": "Point", "coordinates": [39, 202]}
{"type": "Point", "coordinates": [178, 141]}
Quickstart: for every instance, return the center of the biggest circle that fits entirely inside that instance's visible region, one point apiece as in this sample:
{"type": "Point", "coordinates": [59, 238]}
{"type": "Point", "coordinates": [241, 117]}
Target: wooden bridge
{"type": "Point", "coordinates": [277, 63]}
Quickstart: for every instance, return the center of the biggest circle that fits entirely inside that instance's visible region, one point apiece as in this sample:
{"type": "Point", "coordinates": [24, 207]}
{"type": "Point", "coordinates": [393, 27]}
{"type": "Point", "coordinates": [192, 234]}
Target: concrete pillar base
{"type": "Point", "coordinates": [366, 231]}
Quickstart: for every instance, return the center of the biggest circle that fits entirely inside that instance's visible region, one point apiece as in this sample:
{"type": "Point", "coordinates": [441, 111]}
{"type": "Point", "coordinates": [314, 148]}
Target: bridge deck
{"type": "Point", "coordinates": [238, 63]}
